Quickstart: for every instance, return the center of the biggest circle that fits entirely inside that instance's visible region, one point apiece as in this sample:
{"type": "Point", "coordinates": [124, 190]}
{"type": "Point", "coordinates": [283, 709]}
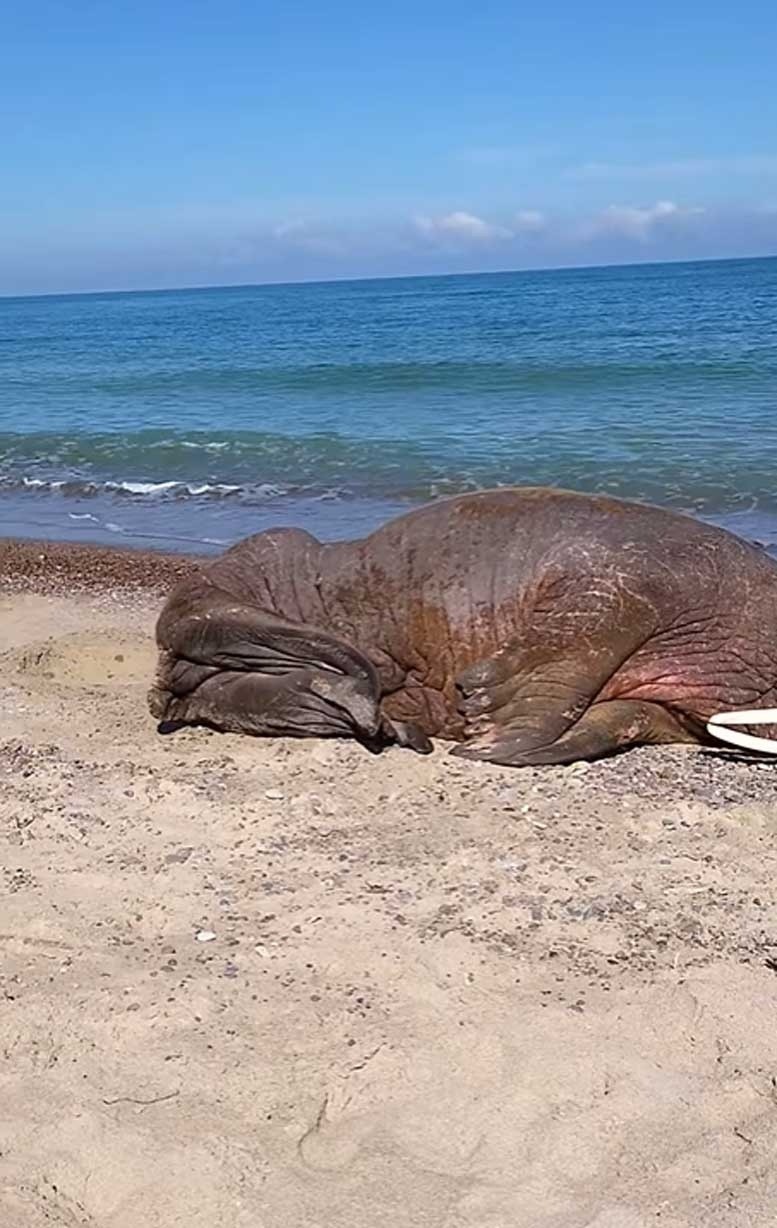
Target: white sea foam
{"type": "Point", "coordinates": [220, 488]}
{"type": "Point", "coordinates": [266, 491]}
{"type": "Point", "coordinates": [180, 489]}
{"type": "Point", "coordinates": [141, 488]}
{"type": "Point", "coordinates": [211, 446]}
{"type": "Point", "coordinates": [76, 486]}
{"type": "Point", "coordinates": [36, 483]}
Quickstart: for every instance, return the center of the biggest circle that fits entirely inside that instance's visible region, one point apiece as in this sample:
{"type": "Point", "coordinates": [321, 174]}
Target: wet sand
{"type": "Point", "coordinates": [250, 983]}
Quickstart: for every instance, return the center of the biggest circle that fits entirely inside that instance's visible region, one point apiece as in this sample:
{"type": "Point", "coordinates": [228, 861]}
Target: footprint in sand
{"type": "Point", "coordinates": [85, 660]}
{"type": "Point", "coordinates": [334, 1139]}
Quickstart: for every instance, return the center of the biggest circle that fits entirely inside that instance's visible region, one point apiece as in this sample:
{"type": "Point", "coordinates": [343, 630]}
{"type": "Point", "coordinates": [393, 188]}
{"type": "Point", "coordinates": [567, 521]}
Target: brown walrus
{"type": "Point", "coordinates": [529, 625]}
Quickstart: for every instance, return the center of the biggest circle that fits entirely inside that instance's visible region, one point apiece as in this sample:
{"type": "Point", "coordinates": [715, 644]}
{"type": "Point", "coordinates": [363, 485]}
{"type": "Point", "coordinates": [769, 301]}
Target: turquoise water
{"type": "Point", "coordinates": [189, 418]}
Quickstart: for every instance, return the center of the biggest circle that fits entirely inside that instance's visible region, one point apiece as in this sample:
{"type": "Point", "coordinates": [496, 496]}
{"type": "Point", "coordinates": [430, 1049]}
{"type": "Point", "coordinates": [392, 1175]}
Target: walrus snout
{"type": "Point", "coordinates": [354, 696]}
{"type": "Point", "coordinates": [358, 699]}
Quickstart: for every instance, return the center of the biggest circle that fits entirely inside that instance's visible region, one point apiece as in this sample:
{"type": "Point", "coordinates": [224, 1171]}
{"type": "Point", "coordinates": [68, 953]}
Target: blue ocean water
{"type": "Point", "coordinates": [190, 418]}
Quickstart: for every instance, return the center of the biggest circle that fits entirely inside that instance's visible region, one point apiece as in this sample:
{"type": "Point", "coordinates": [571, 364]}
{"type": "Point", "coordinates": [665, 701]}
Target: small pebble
{"type": "Point", "coordinates": [205, 935]}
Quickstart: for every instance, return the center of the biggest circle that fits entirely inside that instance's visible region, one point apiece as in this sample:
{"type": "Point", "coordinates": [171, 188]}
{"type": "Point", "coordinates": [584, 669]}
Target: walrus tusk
{"type": "Point", "coordinates": [753, 716]}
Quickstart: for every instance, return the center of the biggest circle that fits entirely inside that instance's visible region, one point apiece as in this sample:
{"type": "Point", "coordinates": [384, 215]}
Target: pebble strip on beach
{"type": "Point", "coordinates": [62, 569]}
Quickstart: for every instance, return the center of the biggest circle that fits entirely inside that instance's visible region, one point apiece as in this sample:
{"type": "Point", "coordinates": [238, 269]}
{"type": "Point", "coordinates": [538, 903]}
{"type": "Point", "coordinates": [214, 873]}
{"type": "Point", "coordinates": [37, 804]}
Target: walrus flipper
{"type": "Point", "coordinates": [603, 730]}
{"type": "Point", "coordinates": [209, 627]}
{"type": "Point", "coordinates": [523, 703]}
{"type": "Point", "coordinates": [239, 668]}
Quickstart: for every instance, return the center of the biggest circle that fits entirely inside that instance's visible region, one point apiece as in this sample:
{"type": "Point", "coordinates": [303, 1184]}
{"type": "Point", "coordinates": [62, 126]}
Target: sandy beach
{"type": "Point", "coordinates": [272, 984]}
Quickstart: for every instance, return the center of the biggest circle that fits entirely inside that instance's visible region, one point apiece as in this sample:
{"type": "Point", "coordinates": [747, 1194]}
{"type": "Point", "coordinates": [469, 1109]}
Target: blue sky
{"type": "Point", "coordinates": [185, 143]}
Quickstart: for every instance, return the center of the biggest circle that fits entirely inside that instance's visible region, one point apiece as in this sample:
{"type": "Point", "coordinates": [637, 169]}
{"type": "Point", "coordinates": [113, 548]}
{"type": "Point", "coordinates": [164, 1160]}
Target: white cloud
{"type": "Point", "coordinates": [746, 164]}
{"type": "Point", "coordinates": [633, 222]}
{"type": "Point", "coordinates": [529, 221]}
{"type": "Point", "coordinates": [289, 229]}
{"type": "Point", "coordinates": [461, 225]}
{"type": "Point", "coordinates": [504, 155]}
{"type": "Point", "coordinates": [317, 240]}
{"type": "Point", "coordinates": [200, 244]}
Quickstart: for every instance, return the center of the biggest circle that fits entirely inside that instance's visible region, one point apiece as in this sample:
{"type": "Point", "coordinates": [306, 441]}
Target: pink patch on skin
{"type": "Point", "coordinates": [659, 685]}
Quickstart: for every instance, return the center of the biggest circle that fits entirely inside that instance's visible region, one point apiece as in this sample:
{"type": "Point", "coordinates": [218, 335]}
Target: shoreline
{"type": "Point", "coordinates": [204, 530]}
{"type": "Point", "coordinates": [59, 566]}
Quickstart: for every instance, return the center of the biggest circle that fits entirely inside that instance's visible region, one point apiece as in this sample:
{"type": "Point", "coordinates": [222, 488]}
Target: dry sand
{"type": "Point", "coordinates": [439, 994]}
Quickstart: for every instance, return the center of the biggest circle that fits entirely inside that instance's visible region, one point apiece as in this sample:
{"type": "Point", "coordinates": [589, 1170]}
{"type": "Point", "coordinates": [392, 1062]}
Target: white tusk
{"type": "Point", "coordinates": [754, 716]}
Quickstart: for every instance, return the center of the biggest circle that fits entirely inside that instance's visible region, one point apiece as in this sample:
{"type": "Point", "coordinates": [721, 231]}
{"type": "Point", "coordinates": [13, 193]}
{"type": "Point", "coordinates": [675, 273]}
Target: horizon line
{"type": "Point", "coordinates": [328, 281]}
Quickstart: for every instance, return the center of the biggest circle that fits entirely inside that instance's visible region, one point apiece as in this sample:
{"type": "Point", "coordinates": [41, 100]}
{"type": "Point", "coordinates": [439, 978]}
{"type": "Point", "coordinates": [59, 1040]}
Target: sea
{"type": "Point", "coordinates": [186, 419]}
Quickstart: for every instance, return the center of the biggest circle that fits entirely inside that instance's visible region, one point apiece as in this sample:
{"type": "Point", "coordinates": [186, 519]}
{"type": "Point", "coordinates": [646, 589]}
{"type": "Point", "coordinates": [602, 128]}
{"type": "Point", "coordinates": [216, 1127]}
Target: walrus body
{"type": "Point", "coordinates": [529, 625]}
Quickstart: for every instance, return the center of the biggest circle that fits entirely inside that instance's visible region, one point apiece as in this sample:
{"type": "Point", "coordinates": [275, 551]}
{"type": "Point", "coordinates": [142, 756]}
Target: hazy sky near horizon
{"type": "Point", "coordinates": [191, 143]}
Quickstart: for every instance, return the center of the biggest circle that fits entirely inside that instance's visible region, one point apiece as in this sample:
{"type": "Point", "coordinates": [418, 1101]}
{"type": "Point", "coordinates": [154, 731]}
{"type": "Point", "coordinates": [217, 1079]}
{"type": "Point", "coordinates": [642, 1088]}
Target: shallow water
{"type": "Point", "coordinates": [189, 418]}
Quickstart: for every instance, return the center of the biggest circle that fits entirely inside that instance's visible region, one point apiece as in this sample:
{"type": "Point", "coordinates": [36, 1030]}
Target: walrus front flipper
{"type": "Point", "coordinates": [603, 730]}
{"type": "Point", "coordinates": [239, 668]}
{"type": "Point", "coordinates": [288, 705]}
{"type": "Point", "coordinates": [204, 625]}
{"type": "Point", "coordinates": [516, 702]}
{"type": "Point", "coordinates": [575, 636]}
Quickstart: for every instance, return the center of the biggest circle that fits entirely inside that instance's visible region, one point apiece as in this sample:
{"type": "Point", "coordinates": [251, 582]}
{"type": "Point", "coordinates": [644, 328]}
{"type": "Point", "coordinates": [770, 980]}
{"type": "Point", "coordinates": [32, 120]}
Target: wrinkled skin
{"type": "Point", "coordinates": [529, 625]}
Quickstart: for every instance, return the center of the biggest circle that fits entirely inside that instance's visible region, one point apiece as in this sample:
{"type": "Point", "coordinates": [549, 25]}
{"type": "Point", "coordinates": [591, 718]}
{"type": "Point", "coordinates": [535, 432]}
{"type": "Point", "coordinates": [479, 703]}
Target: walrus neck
{"type": "Point", "coordinates": [298, 587]}
{"type": "Point", "coordinates": [358, 601]}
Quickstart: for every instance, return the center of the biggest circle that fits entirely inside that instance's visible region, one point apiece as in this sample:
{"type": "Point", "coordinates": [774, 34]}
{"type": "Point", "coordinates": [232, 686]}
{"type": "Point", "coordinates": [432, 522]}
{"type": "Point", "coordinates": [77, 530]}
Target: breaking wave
{"type": "Point", "coordinates": [256, 469]}
{"type": "Point", "coordinates": [84, 488]}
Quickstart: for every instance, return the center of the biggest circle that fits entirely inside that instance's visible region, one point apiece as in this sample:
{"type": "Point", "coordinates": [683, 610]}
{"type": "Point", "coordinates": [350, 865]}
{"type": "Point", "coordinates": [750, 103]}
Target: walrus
{"type": "Point", "coordinates": [527, 625]}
